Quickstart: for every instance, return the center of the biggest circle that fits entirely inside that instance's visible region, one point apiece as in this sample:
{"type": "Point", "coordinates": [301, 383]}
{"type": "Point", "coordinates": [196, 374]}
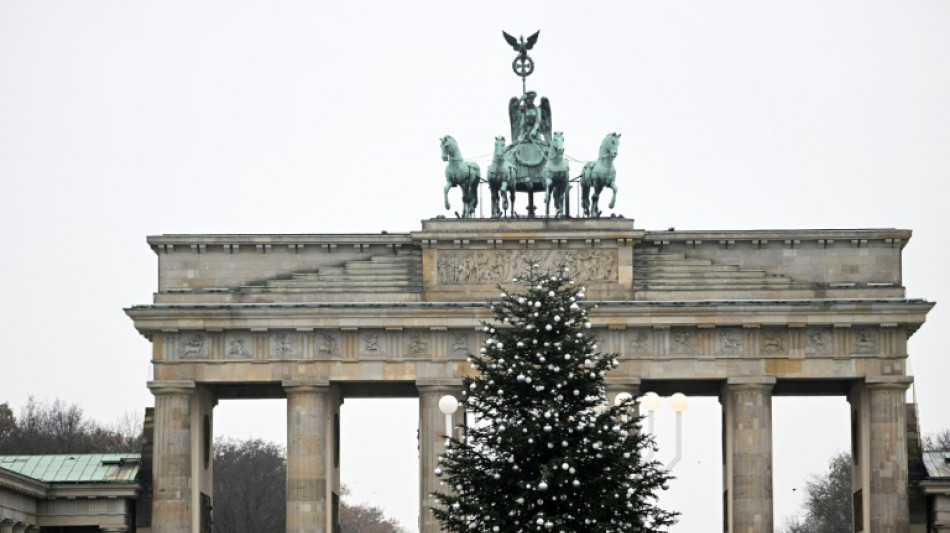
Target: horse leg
{"type": "Point", "coordinates": [445, 192]}
{"type": "Point", "coordinates": [504, 195]}
{"type": "Point", "coordinates": [494, 199]}
{"type": "Point", "coordinates": [559, 200]}
{"type": "Point", "coordinates": [585, 201]}
{"type": "Point", "coordinates": [595, 200]}
{"type": "Point", "coordinates": [547, 197]}
{"type": "Point", "coordinates": [613, 187]}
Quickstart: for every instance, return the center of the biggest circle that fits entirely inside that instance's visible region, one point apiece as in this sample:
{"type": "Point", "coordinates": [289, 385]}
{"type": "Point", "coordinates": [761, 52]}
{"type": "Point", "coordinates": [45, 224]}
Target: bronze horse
{"type": "Point", "coordinates": [556, 175]}
{"type": "Point", "coordinates": [599, 174]}
{"type": "Point", "coordinates": [501, 176]}
{"type": "Point", "coordinates": [465, 174]}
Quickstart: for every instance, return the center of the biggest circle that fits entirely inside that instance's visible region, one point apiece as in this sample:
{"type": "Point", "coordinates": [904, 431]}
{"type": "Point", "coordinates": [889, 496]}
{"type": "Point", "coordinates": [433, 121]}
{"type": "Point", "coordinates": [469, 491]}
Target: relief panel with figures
{"type": "Point", "coordinates": [458, 267]}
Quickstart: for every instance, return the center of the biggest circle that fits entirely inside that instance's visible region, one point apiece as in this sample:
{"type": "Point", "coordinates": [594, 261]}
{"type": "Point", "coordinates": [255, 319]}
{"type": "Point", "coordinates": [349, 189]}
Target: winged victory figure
{"type": "Point", "coordinates": [528, 121]}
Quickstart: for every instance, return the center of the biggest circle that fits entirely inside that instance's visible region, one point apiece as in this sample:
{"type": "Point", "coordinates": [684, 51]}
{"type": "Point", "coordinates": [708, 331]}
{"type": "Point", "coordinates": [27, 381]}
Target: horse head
{"type": "Point", "coordinates": [608, 148]}
{"type": "Point", "coordinates": [556, 151]}
{"type": "Point", "coordinates": [499, 147]}
{"type": "Point", "coordinates": [450, 148]}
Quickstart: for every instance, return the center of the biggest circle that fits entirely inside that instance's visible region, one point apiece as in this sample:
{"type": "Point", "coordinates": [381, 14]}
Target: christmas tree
{"type": "Point", "coordinates": [545, 452]}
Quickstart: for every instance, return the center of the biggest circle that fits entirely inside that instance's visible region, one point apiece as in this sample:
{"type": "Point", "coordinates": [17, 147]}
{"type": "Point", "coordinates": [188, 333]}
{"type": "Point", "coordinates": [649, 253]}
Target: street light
{"type": "Point", "coordinates": [651, 401]}
{"type": "Point", "coordinates": [448, 404]}
{"type": "Point", "coordinates": [678, 403]}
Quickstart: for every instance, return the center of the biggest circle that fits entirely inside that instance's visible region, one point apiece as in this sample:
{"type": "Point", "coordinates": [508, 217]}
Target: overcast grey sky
{"type": "Point", "coordinates": [123, 119]}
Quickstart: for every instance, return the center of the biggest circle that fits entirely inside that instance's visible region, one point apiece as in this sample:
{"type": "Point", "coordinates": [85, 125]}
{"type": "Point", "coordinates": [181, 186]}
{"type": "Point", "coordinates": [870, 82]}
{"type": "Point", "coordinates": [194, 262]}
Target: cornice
{"type": "Point", "coordinates": [841, 313]}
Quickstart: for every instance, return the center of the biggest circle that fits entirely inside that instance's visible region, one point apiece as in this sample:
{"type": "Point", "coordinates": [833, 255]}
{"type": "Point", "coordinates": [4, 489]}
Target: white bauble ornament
{"type": "Point", "coordinates": [548, 327]}
{"type": "Point", "coordinates": [537, 304]}
{"type": "Point", "coordinates": [542, 486]}
{"type": "Point", "coordinates": [438, 471]}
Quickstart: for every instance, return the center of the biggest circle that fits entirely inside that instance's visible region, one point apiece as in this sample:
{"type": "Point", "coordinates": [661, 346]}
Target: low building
{"type": "Point", "coordinates": [68, 493]}
{"type": "Point", "coordinates": [936, 488]}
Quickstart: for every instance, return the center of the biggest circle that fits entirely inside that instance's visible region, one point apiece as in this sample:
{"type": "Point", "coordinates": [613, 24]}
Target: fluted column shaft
{"type": "Point", "coordinates": [879, 471]}
{"type": "Point", "coordinates": [171, 499]}
{"type": "Point", "coordinates": [747, 419]}
{"type": "Point", "coordinates": [431, 444]}
{"type": "Point", "coordinates": [307, 405]}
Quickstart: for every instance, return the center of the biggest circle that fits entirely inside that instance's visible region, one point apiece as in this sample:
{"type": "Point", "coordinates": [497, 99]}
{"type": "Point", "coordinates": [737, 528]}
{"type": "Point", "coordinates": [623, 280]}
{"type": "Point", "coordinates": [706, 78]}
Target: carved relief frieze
{"type": "Point", "coordinates": [238, 346]}
{"type": "Point", "coordinates": [372, 344]}
{"type": "Point", "coordinates": [729, 342]}
{"type": "Point", "coordinates": [639, 342]}
{"type": "Point", "coordinates": [474, 267]}
{"type": "Point", "coordinates": [683, 342]}
{"type": "Point", "coordinates": [773, 341]}
{"type": "Point", "coordinates": [817, 341]}
{"type": "Point", "coordinates": [460, 344]}
{"type": "Point", "coordinates": [193, 346]}
{"type": "Point", "coordinates": [864, 341]}
{"type": "Point", "coordinates": [417, 344]}
{"type": "Point", "coordinates": [326, 345]}
{"type": "Point", "coordinates": [284, 345]}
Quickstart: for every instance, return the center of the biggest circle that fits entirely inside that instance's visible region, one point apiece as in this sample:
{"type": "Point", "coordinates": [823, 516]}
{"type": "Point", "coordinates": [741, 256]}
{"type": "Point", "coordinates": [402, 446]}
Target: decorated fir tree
{"type": "Point", "coordinates": [545, 452]}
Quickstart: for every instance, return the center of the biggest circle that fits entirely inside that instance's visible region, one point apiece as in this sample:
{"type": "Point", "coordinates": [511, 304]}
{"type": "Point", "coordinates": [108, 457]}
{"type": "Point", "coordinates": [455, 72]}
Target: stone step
{"type": "Point", "coordinates": [707, 283]}
{"type": "Point", "coordinates": [672, 262]}
{"type": "Point", "coordinates": [686, 267]}
{"type": "Point", "coordinates": [685, 274]}
{"type": "Point", "coordinates": [319, 285]}
{"type": "Point", "coordinates": [652, 256]}
{"type": "Point", "coordinates": [382, 265]}
{"type": "Point", "coordinates": [354, 277]}
{"type": "Point", "coordinates": [334, 289]}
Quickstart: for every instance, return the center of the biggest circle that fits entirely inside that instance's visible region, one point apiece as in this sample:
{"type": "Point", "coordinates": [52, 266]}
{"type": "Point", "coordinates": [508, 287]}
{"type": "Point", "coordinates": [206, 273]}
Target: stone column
{"type": "Point", "coordinates": [747, 451]}
{"type": "Point", "coordinates": [432, 443]}
{"type": "Point", "coordinates": [6, 526]}
{"type": "Point", "coordinates": [19, 528]}
{"type": "Point", "coordinates": [879, 471]}
{"type": "Point", "coordinates": [172, 486]}
{"type": "Point", "coordinates": [307, 406]}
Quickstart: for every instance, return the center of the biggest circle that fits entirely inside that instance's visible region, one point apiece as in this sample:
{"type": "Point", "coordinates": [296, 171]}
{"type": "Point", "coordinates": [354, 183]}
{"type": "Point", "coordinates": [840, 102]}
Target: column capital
{"type": "Point", "coordinates": [439, 385]}
{"type": "Point", "coordinates": [624, 384]}
{"type": "Point", "coordinates": [888, 382]}
{"type": "Point", "coordinates": [305, 385]}
{"type": "Point", "coordinates": [172, 387]}
{"type": "Point", "coordinates": [751, 382]}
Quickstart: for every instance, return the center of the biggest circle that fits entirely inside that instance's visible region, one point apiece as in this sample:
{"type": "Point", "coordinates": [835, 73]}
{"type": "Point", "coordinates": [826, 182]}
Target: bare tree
{"type": "Point", "coordinates": [55, 427]}
{"type": "Point", "coordinates": [366, 519]}
{"type": "Point", "coordinates": [828, 501]}
{"type": "Point", "coordinates": [937, 442]}
{"type": "Point", "coordinates": [249, 487]}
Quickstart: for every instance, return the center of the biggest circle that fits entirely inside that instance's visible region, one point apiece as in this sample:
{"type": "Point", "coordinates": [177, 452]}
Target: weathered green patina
{"type": "Point", "coordinates": [599, 174]}
{"type": "Point", "coordinates": [465, 174]}
{"type": "Point", "coordinates": [501, 176]}
{"type": "Point", "coordinates": [557, 178]}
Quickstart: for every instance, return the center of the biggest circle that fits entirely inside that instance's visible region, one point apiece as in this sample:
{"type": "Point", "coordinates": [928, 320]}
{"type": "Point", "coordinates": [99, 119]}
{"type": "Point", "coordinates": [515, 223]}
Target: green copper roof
{"type": "Point", "coordinates": [75, 468]}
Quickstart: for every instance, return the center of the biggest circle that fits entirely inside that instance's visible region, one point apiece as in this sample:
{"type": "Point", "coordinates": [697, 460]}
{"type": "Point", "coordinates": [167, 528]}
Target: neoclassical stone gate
{"type": "Point", "coordinates": [742, 315]}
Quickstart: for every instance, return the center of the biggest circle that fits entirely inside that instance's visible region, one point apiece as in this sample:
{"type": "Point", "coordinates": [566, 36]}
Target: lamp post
{"type": "Point", "coordinates": [448, 404]}
{"type": "Point", "coordinates": [651, 402]}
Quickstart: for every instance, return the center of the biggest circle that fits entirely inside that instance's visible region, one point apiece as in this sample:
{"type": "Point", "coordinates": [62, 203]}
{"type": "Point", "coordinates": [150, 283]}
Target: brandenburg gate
{"type": "Point", "coordinates": [738, 315]}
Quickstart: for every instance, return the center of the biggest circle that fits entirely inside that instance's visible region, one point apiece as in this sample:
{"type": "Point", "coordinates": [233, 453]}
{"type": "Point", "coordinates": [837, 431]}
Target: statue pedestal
{"type": "Point", "coordinates": [465, 260]}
